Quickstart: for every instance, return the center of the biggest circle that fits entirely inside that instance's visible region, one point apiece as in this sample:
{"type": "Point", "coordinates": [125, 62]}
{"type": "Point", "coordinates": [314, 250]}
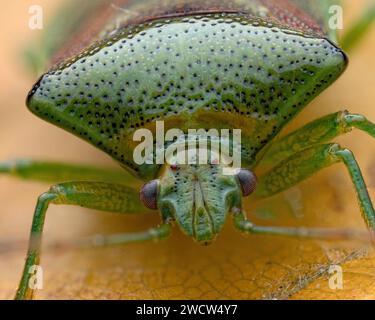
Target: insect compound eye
{"type": "Point", "coordinates": [247, 180]}
{"type": "Point", "coordinates": [149, 194]}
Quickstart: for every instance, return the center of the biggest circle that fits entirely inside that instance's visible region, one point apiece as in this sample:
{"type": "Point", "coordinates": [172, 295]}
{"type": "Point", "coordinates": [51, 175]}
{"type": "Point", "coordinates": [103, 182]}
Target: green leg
{"type": "Point", "coordinates": [244, 225]}
{"type": "Point", "coordinates": [94, 195]}
{"type": "Point", "coordinates": [307, 162]}
{"type": "Point", "coordinates": [68, 19]}
{"type": "Point", "coordinates": [360, 27]}
{"type": "Point", "coordinates": [317, 132]}
{"type": "Point", "coordinates": [159, 233]}
{"type": "Point", "coordinates": [53, 172]}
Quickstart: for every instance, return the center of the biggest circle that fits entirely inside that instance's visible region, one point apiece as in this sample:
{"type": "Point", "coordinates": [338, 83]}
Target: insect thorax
{"type": "Point", "coordinates": [218, 71]}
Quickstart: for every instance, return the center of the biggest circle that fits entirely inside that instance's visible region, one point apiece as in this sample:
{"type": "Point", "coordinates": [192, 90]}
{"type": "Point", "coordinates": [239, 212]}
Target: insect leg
{"type": "Point", "coordinates": [94, 195]}
{"type": "Point", "coordinates": [316, 132]}
{"type": "Point", "coordinates": [244, 225]}
{"type": "Point", "coordinates": [159, 233]}
{"type": "Point", "coordinates": [65, 22]}
{"type": "Point", "coordinates": [356, 32]}
{"type": "Point", "coordinates": [309, 161]}
{"type": "Point", "coordinates": [54, 172]}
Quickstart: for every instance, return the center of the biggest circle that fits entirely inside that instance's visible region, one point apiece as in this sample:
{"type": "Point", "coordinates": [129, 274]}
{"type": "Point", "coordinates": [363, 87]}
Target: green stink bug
{"type": "Point", "coordinates": [126, 82]}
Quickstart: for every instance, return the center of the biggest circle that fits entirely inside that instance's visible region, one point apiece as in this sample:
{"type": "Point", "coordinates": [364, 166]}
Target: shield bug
{"type": "Point", "coordinates": [249, 65]}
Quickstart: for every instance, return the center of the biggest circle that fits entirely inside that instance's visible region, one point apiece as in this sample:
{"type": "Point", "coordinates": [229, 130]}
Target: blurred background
{"type": "Point", "coordinates": [234, 266]}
